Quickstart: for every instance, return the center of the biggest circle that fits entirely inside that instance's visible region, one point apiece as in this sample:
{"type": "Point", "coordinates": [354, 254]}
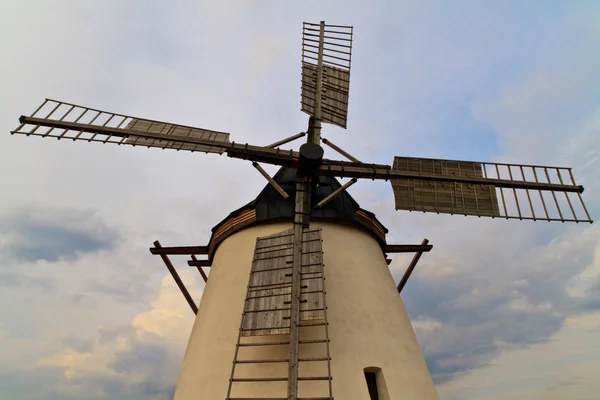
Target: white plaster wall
{"type": "Point", "coordinates": [368, 326]}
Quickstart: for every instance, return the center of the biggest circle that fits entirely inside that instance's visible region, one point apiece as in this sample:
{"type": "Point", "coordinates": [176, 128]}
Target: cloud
{"type": "Point", "coordinates": [139, 360]}
{"type": "Point", "coordinates": [565, 366]}
{"type": "Point", "coordinates": [48, 233]}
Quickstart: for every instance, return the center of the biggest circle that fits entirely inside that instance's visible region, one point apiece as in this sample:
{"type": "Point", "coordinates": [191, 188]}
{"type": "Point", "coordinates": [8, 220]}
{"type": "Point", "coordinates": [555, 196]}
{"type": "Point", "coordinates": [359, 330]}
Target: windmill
{"type": "Point", "coordinates": [303, 262]}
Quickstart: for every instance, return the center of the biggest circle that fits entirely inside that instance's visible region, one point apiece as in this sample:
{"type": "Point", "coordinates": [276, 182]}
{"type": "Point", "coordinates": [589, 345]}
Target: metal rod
{"type": "Point", "coordinates": [566, 195]}
{"type": "Point", "coordinates": [200, 269]}
{"type": "Point", "coordinates": [527, 191]}
{"type": "Point", "coordinates": [275, 185]}
{"type": "Point", "coordinates": [540, 192]}
{"type": "Point", "coordinates": [340, 151]}
{"type": "Point", "coordinates": [67, 113]}
{"type": "Point", "coordinates": [554, 195]}
{"type": "Point", "coordinates": [177, 279]}
{"type": "Point", "coordinates": [54, 109]}
{"type": "Point", "coordinates": [336, 192]}
{"type": "Point", "coordinates": [579, 194]}
{"type": "Point", "coordinates": [514, 192]}
{"type": "Point", "coordinates": [287, 140]}
{"type": "Point", "coordinates": [39, 108]}
{"type": "Point", "coordinates": [411, 267]}
{"type": "Point", "coordinates": [495, 207]}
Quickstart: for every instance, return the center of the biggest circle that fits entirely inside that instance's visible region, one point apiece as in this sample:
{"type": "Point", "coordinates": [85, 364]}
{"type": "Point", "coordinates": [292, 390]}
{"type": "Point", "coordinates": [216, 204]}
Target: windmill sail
{"type": "Point", "coordinates": [514, 191]}
{"type": "Point", "coordinates": [330, 48]}
{"type": "Point", "coordinates": [61, 120]}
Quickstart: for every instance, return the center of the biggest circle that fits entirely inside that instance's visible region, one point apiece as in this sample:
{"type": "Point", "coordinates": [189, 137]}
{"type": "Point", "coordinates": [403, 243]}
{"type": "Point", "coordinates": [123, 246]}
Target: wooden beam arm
{"type": "Point", "coordinates": [179, 250]}
{"type": "Point", "coordinates": [335, 193]}
{"type": "Point", "coordinates": [200, 268]}
{"type": "Point", "coordinates": [385, 172]}
{"type": "Point", "coordinates": [236, 150]}
{"type": "Point", "coordinates": [408, 248]}
{"type": "Point", "coordinates": [287, 140]}
{"type": "Point", "coordinates": [340, 150]}
{"type": "Point", "coordinates": [266, 175]}
{"type": "Point", "coordinates": [411, 267]}
{"type": "Point", "coordinates": [194, 262]}
{"type": "Point", "coordinates": [291, 158]}
{"type": "Point", "coordinates": [177, 279]}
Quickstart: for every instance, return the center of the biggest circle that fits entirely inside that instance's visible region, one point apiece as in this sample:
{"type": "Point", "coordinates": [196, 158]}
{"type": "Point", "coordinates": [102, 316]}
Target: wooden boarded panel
{"type": "Point", "coordinates": [334, 100]}
{"type": "Point", "coordinates": [146, 125]}
{"type": "Point", "coordinates": [267, 308]}
{"type": "Point", "coordinates": [443, 197]}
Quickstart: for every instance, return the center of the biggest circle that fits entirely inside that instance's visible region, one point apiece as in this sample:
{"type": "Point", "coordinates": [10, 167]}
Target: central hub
{"type": "Point", "coordinates": [311, 155]}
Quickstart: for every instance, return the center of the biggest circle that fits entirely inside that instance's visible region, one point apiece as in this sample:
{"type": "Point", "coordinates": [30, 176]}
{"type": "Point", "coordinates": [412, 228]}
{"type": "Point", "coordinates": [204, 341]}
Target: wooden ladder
{"type": "Point", "coordinates": [267, 313]}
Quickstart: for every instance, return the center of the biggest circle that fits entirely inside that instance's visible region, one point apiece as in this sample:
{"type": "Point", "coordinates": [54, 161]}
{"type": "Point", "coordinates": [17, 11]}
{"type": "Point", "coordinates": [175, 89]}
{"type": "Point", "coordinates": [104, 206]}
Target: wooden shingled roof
{"type": "Point", "coordinates": [270, 206]}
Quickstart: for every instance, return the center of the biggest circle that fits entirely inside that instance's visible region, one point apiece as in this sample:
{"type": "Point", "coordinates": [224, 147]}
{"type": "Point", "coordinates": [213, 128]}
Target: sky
{"type": "Point", "coordinates": [502, 309]}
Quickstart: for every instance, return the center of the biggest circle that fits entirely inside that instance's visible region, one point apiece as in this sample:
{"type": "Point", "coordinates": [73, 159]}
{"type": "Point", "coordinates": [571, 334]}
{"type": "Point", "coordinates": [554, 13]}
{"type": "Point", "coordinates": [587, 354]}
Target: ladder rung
{"type": "Point", "coordinates": [268, 295]}
{"type": "Point", "coordinates": [282, 360]}
{"type": "Point", "coordinates": [282, 343]}
{"type": "Point", "coordinates": [282, 379]}
{"type": "Point", "coordinates": [314, 378]}
{"type": "Point", "coordinates": [270, 286]}
{"type": "Point", "coordinates": [313, 341]}
{"type": "Point", "coordinates": [308, 273]}
{"type": "Point", "coordinates": [274, 286]}
{"type": "Point", "coordinates": [278, 398]}
{"type": "Point", "coordinates": [263, 344]}
{"type": "Point", "coordinates": [311, 359]}
{"type": "Point", "coordinates": [301, 301]}
{"type": "Point", "coordinates": [279, 379]}
{"type": "Point", "coordinates": [269, 269]}
{"type": "Point", "coordinates": [267, 309]}
{"type": "Point", "coordinates": [267, 328]}
{"type": "Point", "coordinates": [308, 326]}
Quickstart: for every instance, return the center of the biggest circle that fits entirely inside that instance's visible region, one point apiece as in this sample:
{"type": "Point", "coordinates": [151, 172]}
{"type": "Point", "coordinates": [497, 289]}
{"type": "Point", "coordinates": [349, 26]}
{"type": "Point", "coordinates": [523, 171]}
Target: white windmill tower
{"type": "Point", "coordinates": [300, 303]}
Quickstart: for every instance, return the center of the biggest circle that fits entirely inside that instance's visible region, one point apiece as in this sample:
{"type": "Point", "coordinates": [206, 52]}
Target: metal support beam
{"type": "Point", "coordinates": [287, 140]}
{"type": "Point", "coordinates": [177, 279]}
{"type": "Point", "coordinates": [199, 267]}
{"type": "Point", "coordinates": [411, 267]}
{"type": "Point", "coordinates": [340, 151]}
{"type": "Point", "coordinates": [264, 173]}
{"type": "Point", "coordinates": [408, 248]}
{"type": "Point", "coordinates": [180, 250]}
{"type": "Point", "coordinates": [335, 193]}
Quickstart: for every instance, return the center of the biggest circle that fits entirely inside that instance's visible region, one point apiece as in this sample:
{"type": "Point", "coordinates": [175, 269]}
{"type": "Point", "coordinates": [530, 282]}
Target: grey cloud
{"type": "Point", "coordinates": [15, 279]}
{"type": "Point", "coordinates": [508, 293]}
{"type": "Point", "coordinates": [52, 234]}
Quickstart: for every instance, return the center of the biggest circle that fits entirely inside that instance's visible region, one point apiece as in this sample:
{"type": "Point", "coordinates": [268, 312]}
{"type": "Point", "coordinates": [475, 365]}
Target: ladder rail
{"type": "Point", "coordinates": [317, 355]}
{"type": "Point", "coordinates": [239, 338]}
